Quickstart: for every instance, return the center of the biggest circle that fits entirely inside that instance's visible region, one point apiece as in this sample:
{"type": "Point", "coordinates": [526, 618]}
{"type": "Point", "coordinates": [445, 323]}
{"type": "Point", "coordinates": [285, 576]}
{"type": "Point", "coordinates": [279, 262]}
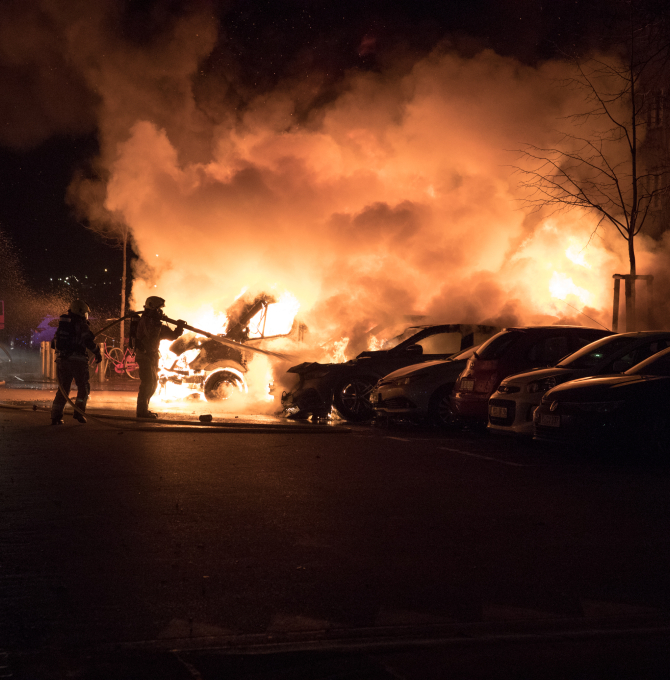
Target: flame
{"type": "Point", "coordinates": [562, 285]}
{"type": "Point", "coordinates": [277, 319]}
{"type": "Point", "coordinates": [179, 382]}
{"type": "Point", "coordinates": [577, 255]}
{"type": "Point", "coordinates": [336, 350]}
{"type": "Point", "coordinates": [374, 344]}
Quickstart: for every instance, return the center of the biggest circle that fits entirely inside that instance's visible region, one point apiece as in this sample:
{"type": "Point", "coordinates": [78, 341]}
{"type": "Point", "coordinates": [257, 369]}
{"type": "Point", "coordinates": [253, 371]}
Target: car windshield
{"type": "Point", "coordinates": [496, 346]}
{"type": "Point", "coordinates": [597, 352]}
{"type": "Point", "coordinates": [407, 333]}
{"type": "Point", "coordinates": [658, 364]}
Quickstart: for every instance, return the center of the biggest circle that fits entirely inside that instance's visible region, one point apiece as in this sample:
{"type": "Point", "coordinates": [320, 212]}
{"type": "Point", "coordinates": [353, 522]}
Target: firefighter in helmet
{"type": "Point", "coordinates": [150, 331]}
{"type": "Point", "coordinates": [73, 337]}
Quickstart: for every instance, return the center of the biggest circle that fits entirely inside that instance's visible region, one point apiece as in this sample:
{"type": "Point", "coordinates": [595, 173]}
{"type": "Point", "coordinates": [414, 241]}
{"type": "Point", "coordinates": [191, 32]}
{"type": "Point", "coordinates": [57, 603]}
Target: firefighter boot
{"type": "Point", "coordinates": [150, 415]}
{"type": "Point", "coordinates": [57, 421]}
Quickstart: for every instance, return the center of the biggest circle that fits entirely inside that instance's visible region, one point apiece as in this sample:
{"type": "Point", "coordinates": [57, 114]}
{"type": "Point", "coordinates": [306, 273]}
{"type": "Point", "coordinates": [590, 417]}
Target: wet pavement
{"type": "Point", "coordinates": [359, 553]}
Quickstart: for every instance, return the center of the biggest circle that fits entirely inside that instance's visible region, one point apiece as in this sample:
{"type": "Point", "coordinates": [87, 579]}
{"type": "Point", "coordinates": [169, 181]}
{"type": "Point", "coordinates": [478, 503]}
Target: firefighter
{"type": "Point", "coordinates": [150, 331]}
{"type": "Point", "coordinates": [73, 337]}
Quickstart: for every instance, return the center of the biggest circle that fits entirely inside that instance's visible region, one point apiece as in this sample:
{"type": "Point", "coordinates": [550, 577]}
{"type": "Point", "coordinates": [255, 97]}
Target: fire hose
{"type": "Point", "coordinates": [198, 426]}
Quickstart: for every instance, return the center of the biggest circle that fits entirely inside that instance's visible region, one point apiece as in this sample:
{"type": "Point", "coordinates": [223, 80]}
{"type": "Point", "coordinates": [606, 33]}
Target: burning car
{"type": "Point", "coordinates": [347, 386]}
{"type": "Point", "coordinates": [204, 365]}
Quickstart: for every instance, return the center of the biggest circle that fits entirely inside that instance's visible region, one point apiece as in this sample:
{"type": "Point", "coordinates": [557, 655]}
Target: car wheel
{"type": "Point", "coordinates": [221, 385]}
{"type": "Point", "coordinates": [352, 400]}
{"type": "Point", "coordinates": [440, 410]}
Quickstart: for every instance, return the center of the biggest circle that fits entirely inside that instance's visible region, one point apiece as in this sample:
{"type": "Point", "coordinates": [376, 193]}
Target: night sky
{"type": "Point", "coordinates": [49, 133]}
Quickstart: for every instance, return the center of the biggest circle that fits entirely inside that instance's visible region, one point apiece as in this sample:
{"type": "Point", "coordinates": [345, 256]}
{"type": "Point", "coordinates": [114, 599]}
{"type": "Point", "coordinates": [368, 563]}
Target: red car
{"type": "Point", "coordinates": [514, 350]}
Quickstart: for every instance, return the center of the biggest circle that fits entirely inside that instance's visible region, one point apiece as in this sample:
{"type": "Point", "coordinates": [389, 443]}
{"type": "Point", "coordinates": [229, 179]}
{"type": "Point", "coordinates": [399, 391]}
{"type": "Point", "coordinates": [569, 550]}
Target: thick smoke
{"type": "Point", "coordinates": [397, 198]}
{"type": "Point", "coordinates": [393, 196]}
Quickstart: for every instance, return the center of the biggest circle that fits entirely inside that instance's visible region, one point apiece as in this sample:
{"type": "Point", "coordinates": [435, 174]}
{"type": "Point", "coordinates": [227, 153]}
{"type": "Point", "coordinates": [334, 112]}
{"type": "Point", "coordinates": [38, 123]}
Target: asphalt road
{"type": "Point", "coordinates": [343, 552]}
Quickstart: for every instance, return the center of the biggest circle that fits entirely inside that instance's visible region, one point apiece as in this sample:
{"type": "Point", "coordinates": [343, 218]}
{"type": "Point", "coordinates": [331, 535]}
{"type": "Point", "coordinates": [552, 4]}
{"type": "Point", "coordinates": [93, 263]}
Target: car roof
{"type": "Point", "coordinates": [554, 327]}
{"type": "Point", "coordinates": [642, 334]}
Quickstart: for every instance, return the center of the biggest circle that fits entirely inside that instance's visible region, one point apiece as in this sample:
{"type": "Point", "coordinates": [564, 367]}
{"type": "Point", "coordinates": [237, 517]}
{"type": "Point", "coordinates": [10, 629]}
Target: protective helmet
{"type": "Point", "coordinates": [154, 302]}
{"type": "Point", "coordinates": [80, 307]}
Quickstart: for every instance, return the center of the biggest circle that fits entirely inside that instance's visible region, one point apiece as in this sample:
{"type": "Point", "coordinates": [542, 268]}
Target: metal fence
{"type": "Point", "coordinates": [48, 357]}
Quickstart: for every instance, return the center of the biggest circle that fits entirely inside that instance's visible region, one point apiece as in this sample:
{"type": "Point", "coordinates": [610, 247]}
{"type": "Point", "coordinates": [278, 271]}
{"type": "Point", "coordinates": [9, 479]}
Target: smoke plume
{"type": "Point", "coordinates": [390, 193]}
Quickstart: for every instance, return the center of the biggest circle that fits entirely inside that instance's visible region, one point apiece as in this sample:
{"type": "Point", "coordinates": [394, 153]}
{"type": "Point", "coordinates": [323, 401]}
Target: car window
{"type": "Point", "coordinates": [596, 352]}
{"type": "Point", "coordinates": [407, 333]}
{"type": "Point", "coordinates": [441, 343]}
{"type": "Point", "coordinates": [496, 346]}
{"type": "Point", "coordinates": [641, 353]}
{"type": "Point", "coordinates": [657, 364]}
{"type": "Point", "coordinates": [547, 351]}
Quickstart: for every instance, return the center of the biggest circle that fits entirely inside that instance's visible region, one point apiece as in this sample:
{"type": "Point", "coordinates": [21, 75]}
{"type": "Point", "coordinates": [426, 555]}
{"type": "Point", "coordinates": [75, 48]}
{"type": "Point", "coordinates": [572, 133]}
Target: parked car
{"type": "Point", "coordinates": [347, 386]}
{"type": "Point", "coordinates": [630, 410]}
{"type": "Point", "coordinates": [420, 391]}
{"type": "Point", "coordinates": [513, 350]}
{"type": "Point", "coordinates": [512, 405]}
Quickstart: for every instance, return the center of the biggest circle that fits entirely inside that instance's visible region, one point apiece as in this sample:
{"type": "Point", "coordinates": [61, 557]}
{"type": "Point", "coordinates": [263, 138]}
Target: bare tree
{"type": "Point", "coordinates": [602, 163]}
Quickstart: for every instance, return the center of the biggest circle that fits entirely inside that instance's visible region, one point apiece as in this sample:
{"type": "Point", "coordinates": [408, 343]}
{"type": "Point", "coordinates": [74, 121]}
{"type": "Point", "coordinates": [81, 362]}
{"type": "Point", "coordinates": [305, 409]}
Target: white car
{"type": "Point", "coordinates": [420, 391]}
{"type": "Point", "coordinates": [512, 405]}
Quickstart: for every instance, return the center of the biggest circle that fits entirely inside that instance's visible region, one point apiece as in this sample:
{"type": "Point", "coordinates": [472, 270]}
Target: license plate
{"type": "Point", "coordinates": [498, 411]}
{"type": "Point", "coordinates": [467, 385]}
{"type": "Point", "coordinates": [550, 421]}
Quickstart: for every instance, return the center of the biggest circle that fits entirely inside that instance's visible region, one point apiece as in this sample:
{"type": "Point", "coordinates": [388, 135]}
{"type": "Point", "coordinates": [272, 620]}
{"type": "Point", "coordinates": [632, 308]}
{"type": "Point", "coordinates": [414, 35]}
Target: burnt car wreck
{"type": "Point", "coordinates": [347, 386]}
{"type": "Point", "coordinates": [218, 370]}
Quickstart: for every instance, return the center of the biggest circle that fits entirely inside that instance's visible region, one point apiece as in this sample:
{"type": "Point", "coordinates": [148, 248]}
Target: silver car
{"type": "Point", "coordinates": [512, 405]}
{"type": "Point", "coordinates": [420, 391]}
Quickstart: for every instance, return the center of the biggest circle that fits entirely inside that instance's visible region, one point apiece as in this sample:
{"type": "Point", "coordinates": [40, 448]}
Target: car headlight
{"type": "Point", "coordinates": [506, 388]}
{"type": "Point", "coordinates": [541, 386]}
{"type": "Point", "coordinates": [409, 379]}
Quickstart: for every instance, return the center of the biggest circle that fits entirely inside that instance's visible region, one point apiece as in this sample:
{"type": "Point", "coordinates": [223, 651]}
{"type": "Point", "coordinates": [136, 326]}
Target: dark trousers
{"type": "Point", "coordinates": [148, 368]}
{"type": "Point", "coordinates": [68, 370]}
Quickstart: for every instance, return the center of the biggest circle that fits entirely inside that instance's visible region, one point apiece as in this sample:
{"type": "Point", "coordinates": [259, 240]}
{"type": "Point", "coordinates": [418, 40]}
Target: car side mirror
{"type": "Point", "coordinates": [620, 366]}
{"type": "Point", "coordinates": [414, 349]}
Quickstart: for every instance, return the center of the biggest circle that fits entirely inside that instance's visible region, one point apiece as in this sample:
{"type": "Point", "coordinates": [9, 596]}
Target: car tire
{"type": "Point", "coordinates": [221, 385]}
{"type": "Point", "coordinates": [351, 398]}
{"type": "Point", "coordinates": [440, 411]}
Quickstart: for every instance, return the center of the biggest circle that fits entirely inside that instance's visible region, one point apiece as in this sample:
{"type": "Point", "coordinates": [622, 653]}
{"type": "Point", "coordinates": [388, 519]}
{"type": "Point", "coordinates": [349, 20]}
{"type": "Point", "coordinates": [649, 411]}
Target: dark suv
{"type": "Point", "coordinates": [514, 350]}
{"type": "Point", "coordinates": [347, 386]}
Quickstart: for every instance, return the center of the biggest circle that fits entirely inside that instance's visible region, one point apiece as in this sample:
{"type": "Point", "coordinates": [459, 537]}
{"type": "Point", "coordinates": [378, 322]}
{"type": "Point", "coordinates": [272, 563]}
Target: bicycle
{"type": "Point", "coordinates": [122, 361]}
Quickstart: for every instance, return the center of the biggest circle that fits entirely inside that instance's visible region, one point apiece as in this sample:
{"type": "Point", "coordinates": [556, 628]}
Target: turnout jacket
{"type": "Point", "coordinates": [150, 332]}
{"type": "Point", "coordinates": [73, 337]}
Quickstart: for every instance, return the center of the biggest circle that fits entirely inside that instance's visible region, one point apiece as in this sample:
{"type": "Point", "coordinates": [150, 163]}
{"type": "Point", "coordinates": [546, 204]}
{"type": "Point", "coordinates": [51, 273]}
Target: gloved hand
{"type": "Point", "coordinates": [98, 357]}
{"type": "Point", "coordinates": [180, 326]}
